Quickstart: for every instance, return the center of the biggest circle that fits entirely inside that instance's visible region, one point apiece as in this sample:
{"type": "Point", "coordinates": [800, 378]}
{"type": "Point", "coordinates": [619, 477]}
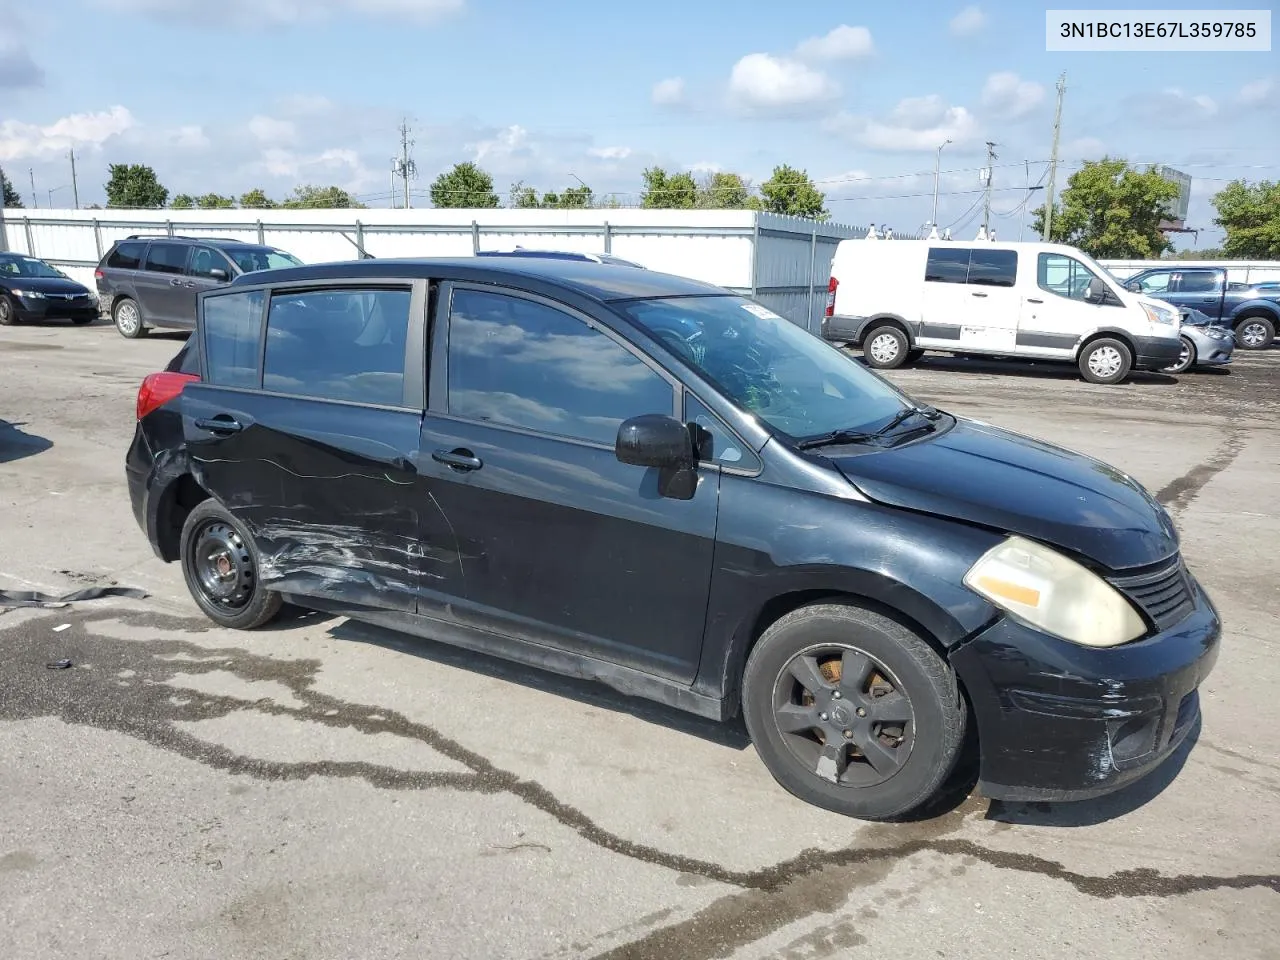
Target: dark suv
{"type": "Point", "coordinates": [654, 483]}
{"type": "Point", "coordinates": [149, 282]}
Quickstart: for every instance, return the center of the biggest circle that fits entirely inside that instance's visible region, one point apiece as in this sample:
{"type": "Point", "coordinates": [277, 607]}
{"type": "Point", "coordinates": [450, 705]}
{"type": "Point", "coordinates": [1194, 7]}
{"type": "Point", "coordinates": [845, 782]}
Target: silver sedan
{"type": "Point", "coordinates": [1205, 342]}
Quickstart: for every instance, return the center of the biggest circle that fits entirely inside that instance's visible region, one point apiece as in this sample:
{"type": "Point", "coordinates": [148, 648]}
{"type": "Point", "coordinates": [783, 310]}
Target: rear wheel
{"type": "Point", "coordinates": [8, 312]}
{"type": "Point", "coordinates": [1106, 360]}
{"type": "Point", "coordinates": [1186, 359]}
{"type": "Point", "coordinates": [1255, 333]}
{"type": "Point", "coordinates": [885, 347]}
{"type": "Point", "coordinates": [853, 712]}
{"type": "Point", "coordinates": [128, 319]}
{"type": "Point", "coordinates": [220, 565]}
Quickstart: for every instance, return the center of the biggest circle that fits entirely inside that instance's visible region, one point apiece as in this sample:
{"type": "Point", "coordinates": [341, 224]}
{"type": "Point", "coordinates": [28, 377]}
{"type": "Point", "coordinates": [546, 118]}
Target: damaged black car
{"type": "Point", "coordinates": [666, 487]}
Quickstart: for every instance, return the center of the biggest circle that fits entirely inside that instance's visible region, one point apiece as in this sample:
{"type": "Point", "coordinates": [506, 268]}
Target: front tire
{"type": "Point", "coordinates": [220, 565]}
{"type": "Point", "coordinates": [1255, 333]}
{"type": "Point", "coordinates": [1186, 360]}
{"type": "Point", "coordinates": [885, 347]}
{"type": "Point", "coordinates": [128, 319]}
{"type": "Point", "coordinates": [1105, 360]}
{"type": "Point", "coordinates": [8, 312]}
{"type": "Point", "coordinates": [852, 711]}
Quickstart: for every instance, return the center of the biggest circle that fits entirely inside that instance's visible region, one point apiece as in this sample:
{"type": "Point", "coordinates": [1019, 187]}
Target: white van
{"type": "Point", "coordinates": [1043, 301]}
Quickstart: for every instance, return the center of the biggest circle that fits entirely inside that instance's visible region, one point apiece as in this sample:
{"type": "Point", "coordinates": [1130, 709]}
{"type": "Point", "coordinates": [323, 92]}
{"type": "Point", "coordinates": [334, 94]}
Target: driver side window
{"type": "Point", "coordinates": [1063, 276]}
{"type": "Point", "coordinates": [1156, 283]}
{"type": "Point", "coordinates": [204, 260]}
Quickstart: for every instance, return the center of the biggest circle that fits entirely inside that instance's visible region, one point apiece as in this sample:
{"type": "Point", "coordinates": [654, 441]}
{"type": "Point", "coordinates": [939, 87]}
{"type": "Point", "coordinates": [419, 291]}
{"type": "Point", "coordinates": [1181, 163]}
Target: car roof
{"type": "Point", "coordinates": [599, 281]}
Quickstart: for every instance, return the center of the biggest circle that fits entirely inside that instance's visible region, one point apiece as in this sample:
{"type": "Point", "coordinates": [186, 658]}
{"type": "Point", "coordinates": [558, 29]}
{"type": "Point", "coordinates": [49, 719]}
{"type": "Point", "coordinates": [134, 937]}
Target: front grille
{"type": "Point", "coordinates": [1164, 593]}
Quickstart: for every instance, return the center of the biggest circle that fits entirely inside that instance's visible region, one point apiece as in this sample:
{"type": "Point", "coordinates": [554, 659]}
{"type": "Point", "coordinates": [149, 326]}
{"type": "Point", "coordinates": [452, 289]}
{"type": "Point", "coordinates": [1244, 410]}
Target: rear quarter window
{"type": "Point", "coordinates": [126, 256]}
{"type": "Point", "coordinates": [232, 332]}
{"type": "Point", "coordinates": [993, 268]}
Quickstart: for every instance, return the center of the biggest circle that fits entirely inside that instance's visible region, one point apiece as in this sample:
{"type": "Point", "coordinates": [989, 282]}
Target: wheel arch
{"type": "Point", "coordinates": [887, 319]}
{"type": "Point", "coordinates": [1108, 333]}
{"type": "Point", "coordinates": [179, 497]}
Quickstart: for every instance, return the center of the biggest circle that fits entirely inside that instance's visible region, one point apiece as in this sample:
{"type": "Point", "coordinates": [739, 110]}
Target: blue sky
{"type": "Point", "coordinates": [234, 94]}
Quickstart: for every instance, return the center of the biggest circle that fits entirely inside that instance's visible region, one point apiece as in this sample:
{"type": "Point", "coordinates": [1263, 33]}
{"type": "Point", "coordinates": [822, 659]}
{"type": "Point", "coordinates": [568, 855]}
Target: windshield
{"type": "Point", "coordinates": [28, 267]}
{"type": "Point", "coordinates": [251, 260]}
{"type": "Point", "coordinates": [798, 384]}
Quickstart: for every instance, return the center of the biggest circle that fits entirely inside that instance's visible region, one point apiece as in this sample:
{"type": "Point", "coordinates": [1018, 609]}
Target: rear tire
{"type": "Point", "coordinates": [8, 312]}
{"type": "Point", "coordinates": [220, 564]}
{"type": "Point", "coordinates": [877, 684]}
{"type": "Point", "coordinates": [127, 317]}
{"type": "Point", "coordinates": [1105, 360]}
{"type": "Point", "coordinates": [1255, 333]}
{"type": "Point", "coordinates": [885, 347]}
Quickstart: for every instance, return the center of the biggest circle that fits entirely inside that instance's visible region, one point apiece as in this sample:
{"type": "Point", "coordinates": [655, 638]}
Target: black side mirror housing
{"type": "Point", "coordinates": [1132, 286]}
{"type": "Point", "coordinates": [654, 440]}
{"type": "Point", "coordinates": [1097, 292]}
{"type": "Point", "coordinates": [217, 273]}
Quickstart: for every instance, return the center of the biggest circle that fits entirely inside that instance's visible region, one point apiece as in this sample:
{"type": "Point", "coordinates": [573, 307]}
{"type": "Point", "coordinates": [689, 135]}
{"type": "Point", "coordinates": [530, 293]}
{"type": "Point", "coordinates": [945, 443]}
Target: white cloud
{"type": "Point", "coordinates": [915, 124]}
{"type": "Point", "coordinates": [669, 92]}
{"type": "Point", "coordinates": [968, 21]}
{"type": "Point", "coordinates": [610, 153]}
{"type": "Point", "coordinates": [842, 43]}
{"type": "Point", "coordinates": [28, 140]}
{"type": "Point", "coordinates": [509, 143]}
{"type": "Point", "coordinates": [273, 131]}
{"type": "Point", "coordinates": [703, 166]}
{"type": "Point", "coordinates": [190, 137]}
{"type": "Point", "coordinates": [1085, 148]}
{"type": "Point", "coordinates": [1259, 92]}
{"type": "Point", "coordinates": [1009, 96]}
{"type": "Point", "coordinates": [763, 82]}
{"type": "Point", "coordinates": [287, 11]}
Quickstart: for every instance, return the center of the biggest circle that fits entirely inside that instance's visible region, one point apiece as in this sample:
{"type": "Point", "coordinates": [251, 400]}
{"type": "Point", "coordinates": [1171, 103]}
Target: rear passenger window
{"type": "Point", "coordinates": [947, 265]}
{"type": "Point", "coordinates": [126, 256]}
{"type": "Point", "coordinates": [167, 257]}
{"type": "Point", "coordinates": [993, 268]}
{"type": "Point", "coordinates": [1198, 281]}
{"type": "Point", "coordinates": [338, 345]}
{"type": "Point", "coordinates": [232, 328]}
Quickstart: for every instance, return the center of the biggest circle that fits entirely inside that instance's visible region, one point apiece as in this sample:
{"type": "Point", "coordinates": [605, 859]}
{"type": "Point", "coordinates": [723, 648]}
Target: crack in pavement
{"type": "Point", "coordinates": [1179, 493]}
{"type": "Point", "coordinates": [148, 705]}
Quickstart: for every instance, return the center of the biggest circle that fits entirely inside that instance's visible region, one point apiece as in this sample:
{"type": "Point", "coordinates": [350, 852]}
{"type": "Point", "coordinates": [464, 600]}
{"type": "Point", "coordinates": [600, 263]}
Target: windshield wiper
{"type": "Point", "coordinates": [902, 416]}
{"type": "Point", "coordinates": [862, 436]}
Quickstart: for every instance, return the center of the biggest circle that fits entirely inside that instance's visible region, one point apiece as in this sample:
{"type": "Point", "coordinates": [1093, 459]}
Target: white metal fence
{"type": "Point", "coordinates": [1243, 271]}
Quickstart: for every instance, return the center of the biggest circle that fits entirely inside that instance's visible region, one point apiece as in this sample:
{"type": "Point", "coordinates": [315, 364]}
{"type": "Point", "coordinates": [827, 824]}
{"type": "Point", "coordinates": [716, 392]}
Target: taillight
{"type": "Point", "coordinates": [831, 296]}
{"type": "Point", "coordinates": [98, 274]}
{"type": "Point", "coordinates": [159, 388]}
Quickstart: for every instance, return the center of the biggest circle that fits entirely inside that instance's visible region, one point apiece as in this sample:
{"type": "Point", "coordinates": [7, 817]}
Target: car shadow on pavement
{"type": "Point", "coordinates": [1025, 368]}
{"type": "Point", "coordinates": [16, 444]}
{"type": "Point", "coordinates": [1088, 813]}
{"type": "Point", "coordinates": [731, 734]}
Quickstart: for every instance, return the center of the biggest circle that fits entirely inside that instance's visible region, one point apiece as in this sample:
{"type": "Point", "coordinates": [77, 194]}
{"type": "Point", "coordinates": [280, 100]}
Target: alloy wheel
{"type": "Point", "coordinates": [1253, 334]}
{"type": "Point", "coordinates": [127, 318]}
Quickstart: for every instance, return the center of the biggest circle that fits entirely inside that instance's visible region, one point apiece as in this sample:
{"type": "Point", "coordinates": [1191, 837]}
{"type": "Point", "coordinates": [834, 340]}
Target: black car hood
{"type": "Point", "coordinates": [43, 284]}
{"type": "Point", "coordinates": [984, 475]}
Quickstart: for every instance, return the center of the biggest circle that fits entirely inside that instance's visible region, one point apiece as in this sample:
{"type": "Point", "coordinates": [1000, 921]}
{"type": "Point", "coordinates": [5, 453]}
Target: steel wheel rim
{"type": "Point", "coordinates": [127, 317]}
{"type": "Point", "coordinates": [222, 564]}
{"type": "Point", "coordinates": [1253, 334]}
{"type": "Point", "coordinates": [884, 347]}
{"type": "Point", "coordinates": [843, 715]}
{"type": "Point", "coordinates": [1105, 361]}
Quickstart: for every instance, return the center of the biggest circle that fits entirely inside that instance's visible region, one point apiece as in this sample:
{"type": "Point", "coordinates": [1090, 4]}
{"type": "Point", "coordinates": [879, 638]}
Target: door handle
{"type": "Point", "coordinates": [1034, 300]}
{"type": "Point", "coordinates": [175, 282]}
{"type": "Point", "coordinates": [459, 459]}
{"type": "Point", "coordinates": [220, 425]}
{"type": "Point", "coordinates": [975, 293]}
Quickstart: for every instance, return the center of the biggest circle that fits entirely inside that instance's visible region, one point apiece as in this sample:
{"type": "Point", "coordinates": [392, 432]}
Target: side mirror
{"type": "Point", "coordinates": [654, 440]}
{"type": "Point", "coordinates": [1097, 292]}
{"type": "Point", "coordinates": [217, 273]}
{"type": "Point", "coordinates": [1132, 286]}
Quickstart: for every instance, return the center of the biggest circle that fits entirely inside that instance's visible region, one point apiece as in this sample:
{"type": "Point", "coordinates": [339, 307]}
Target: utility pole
{"type": "Point", "coordinates": [986, 202]}
{"type": "Point", "coordinates": [1053, 162]}
{"type": "Point", "coordinates": [75, 189]}
{"type": "Point", "coordinates": [1026, 201]}
{"type": "Point", "coordinates": [404, 166]}
{"type": "Point", "coordinates": [937, 168]}
{"type": "Point", "coordinates": [35, 200]}
{"type": "Point", "coordinates": [4, 234]}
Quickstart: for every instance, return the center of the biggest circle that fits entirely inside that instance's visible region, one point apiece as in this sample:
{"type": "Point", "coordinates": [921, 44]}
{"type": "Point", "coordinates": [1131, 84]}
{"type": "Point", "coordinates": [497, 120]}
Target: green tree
{"type": "Point", "coordinates": [1250, 214]}
{"type": "Point", "coordinates": [1208, 253]}
{"type": "Point", "coordinates": [466, 185]}
{"type": "Point", "coordinates": [215, 201]}
{"type": "Point", "coordinates": [724, 191]}
{"type": "Point", "coordinates": [134, 185]}
{"type": "Point", "coordinates": [183, 201]}
{"type": "Point", "coordinates": [256, 199]}
{"type": "Point", "coordinates": [1112, 210]}
{"type": "Point", "coordinates": [307, 197]}
{"type": "Point", "coordinates": [9, 197]}
{"type": "Point", "coordinates": [520, 197]}
{"type": "Point", "coordinates": [569, 198]}
{"type": "Point", "coordinates": [790, 192]}
{"type": "Point", "coordinates": [664, 191]}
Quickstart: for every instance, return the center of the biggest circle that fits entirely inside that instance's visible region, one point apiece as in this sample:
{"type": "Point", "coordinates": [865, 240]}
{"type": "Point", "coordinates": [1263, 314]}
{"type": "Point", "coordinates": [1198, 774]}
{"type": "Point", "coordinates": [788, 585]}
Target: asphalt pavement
{"type": "Point", "coordinates": [321, 789]}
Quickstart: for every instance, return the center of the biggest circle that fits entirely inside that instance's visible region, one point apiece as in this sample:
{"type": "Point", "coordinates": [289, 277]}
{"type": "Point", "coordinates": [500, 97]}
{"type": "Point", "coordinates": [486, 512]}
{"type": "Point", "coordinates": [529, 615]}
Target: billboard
{"type": "Point", "coordinates": [1175, 212]}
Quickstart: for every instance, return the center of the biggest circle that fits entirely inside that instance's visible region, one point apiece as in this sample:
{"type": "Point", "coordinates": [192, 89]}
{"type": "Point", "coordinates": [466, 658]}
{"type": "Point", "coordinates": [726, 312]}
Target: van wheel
{"type": "Point", "coordinates": [1105, 361]}
{"type": "Point", "coordinates": [853, 712]}
{"type": "Point", "coordinates": [885, 347]}
{"type": "Point", "coordinates": [1255, 333]}
{"type": "Point", "coordinates": [220, 565]}
{"type": "Point", "coordinates": [128, 319]}
{"type": "Point", "coordinates": [1186, 359]}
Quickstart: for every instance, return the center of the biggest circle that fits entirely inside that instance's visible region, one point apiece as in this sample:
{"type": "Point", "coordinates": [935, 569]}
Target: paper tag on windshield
{"type": "Point", "coordinates": [764, 313]}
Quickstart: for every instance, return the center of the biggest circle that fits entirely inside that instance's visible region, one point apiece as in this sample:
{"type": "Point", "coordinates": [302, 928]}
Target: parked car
{"type": "Point", "coordinates": [560, 255]}
{"type": "Point", "coordinates": [32, 290]}
{"type": "Point", "coordinates": [147, 282]}
{"type": "Point", "coordinates": [1205, 342]}
{"type": "Point", "coordinates": [658, 484]}
{"type": "Point", "coordinates": [1251, 310]}
{"type": "Point", "coordinates": [898, 298]}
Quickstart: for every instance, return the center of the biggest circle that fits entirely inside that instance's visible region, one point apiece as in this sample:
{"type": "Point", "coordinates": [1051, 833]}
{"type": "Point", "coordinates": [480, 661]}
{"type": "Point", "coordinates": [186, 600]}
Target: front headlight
{"type": "Point", "coordinates": [1055, 594]}
{"type": "Point", "coordinates": [1160, 314]}
{"type": "Point", "coordinates": [30, 294]}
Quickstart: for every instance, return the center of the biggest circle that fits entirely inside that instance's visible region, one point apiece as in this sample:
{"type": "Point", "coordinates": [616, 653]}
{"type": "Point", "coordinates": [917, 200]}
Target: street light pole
{"type": "Point", "coordinates": [937, 169]}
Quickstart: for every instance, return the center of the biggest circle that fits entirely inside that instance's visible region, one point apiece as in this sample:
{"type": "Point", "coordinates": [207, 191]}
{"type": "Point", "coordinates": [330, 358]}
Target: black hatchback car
{"type": "Point", "coordinates": [651, 482]}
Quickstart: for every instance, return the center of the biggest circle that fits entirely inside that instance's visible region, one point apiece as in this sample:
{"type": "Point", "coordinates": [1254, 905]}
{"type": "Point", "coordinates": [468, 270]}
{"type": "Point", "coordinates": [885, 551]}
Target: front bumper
{"type": "Point", "coordinates": [1058, 721]}
{"type": "Point", "coordinates": [1156, 353]}
{"type": "Point", "coordinates": [1210, 351]}
{"type": "Point", "coordinates": [49, 308]}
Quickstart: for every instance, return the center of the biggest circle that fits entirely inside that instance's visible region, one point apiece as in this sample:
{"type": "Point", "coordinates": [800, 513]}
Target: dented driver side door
{"type": "Point", "coordinates": [306, 425]}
